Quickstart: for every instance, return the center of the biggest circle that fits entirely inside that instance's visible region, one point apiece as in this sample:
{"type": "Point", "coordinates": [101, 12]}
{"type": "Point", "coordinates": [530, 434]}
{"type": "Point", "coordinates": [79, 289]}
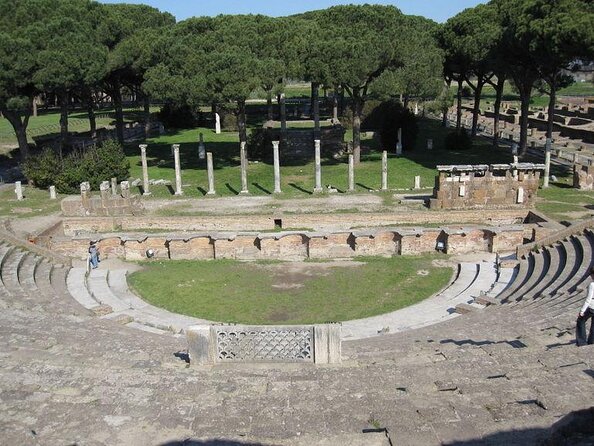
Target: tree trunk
{"type": "Point", "coordinates": [357, 111]}
{"type": "Point", "coordinates": [406, 98]}
{"type": "Point", "coordinates": [477, 106]}
{"type": "Point", "coordinates": [64, 118]}
{"type": "Point", "coordinates": [497, 108]}
{"type": "Point", "coordinates": [341, 101]}
{"type": "Point", "coordinates": [147, 115]}
{"type": "Point", "coordinates": [20, 130]}
{"type": "Point", "coordinates": [91, 113]}
{"type": "Point", "coordinates": [241, 120]}
{"type": "Point", "coordinates": [119, 113]}
{"type": "Point", "coordinates": [525, 94]}
{"type": "Point", "coordinates": [269, 105]}
{"type": "Point", "coordinates": [552, 100]}
{"type": "Point", "coordinates": [335, 107]}
{"type": "Point", "coordinates": [459, 109]}
{"type": "Point", "coordinates": [35, 106]}
{"type": "Point", "coordinates": [315, 100]}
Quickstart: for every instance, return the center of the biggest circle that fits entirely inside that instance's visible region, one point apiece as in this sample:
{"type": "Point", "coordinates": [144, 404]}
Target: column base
{"type": "Point", "coordinates": [211, 192]}
{"type": "Point", "coordinates": [147, 194]}
{"type": "Point", "coordinates": [178, 193]}
{"type": "Point", "coordinates": [244, 192]}
{"type": "Point", "coordinates": [278, 191]}
{"type": "Point", "coordinates": [318, 190]}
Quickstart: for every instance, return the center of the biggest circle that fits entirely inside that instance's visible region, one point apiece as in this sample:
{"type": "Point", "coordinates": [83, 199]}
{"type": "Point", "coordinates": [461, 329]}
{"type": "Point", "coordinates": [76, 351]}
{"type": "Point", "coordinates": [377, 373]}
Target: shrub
{"type": "Point", "coordinates": [41, 169]}
{"type": "Point", "coordinates": [393, 117]}
{"type": "Point", "coordinates": [178, 116]}
{"type": "Point", "coordinates": [458, 140]}
{"type": "Point", "coordinates": [93, 165]}
{"type": "Point", "coordinates": [259, 144]}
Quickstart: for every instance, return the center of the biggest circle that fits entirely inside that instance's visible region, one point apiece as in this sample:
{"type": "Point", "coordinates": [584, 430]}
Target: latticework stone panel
{"type": "Point", "coordinates": [254, 344]}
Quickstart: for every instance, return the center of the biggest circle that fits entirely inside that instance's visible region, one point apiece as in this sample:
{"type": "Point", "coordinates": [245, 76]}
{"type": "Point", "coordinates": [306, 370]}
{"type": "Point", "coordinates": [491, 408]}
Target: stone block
{"type": "Point", "coordinates": [200, 345]}
{"type": "Point", "coordinates": [195, 248]}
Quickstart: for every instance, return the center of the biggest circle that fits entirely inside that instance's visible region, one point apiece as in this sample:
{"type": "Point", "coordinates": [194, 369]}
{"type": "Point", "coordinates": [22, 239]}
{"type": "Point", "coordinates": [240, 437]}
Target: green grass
{"type": "Point", "coordinates": [297, 180]}
{"type": "Point", "coordinates": [229, 291]}
{"type": "Point", "coordinates": [562, 202]}
{"type": "Point", "coordinates": [36, 203]}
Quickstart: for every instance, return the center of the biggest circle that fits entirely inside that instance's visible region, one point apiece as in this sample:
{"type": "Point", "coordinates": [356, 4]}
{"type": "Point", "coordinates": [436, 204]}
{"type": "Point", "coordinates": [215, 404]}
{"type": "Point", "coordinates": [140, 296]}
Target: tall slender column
{"type": "Point", "coordinates": [399, 143]}
{"type": "Point", "coordinates": [145, 177]}
{"type": "Point", "coordinates": [178, 178]}
{"type": "Point", "coordinates": [351, 173]}
{"type": "Point", "coordinates": [277, 175]}
{"type": "Point", "coordinates": [384, 170]}
{"type": "Point", "coordinates": [244, 165]}
{"type": "Point", "coordinates": [210, 169]}
{"type": "Point", "coordinates": [547, 172]}
{"type": "Point", "coordinates": [52, 191]}
{"type": "Point", "coordinates": [417, 182]}
{"type": "Point", "coordinates": [114, 186]}
{"type": "Point", "coordinates": [318, 157]}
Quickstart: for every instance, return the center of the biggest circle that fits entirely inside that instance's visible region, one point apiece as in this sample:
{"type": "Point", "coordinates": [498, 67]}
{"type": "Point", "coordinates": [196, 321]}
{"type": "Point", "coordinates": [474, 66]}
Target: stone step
{"type": "Point", "coordinates": [100, 291]}
{"type": "Point", "coordinates": [505, 278]}
{"type": "Point", "coordinates": [466, 276]}
{"type": "Point", "coordinates": [4, 252]}
{"type": "Point", "coordinates": [539, 269]}
{"type": "Point", "coordinates": [486, 300]}
{"type": "Point", "coordinates": [26, 273]}
{"type": "Point", "coordinates": [10, 270]}
{"type": "Point", "coordinates": [577, 266]}
{"type": "Point", "coordinates": [524, 270]}
{"type": "Point", "coordinates": [76, 285]}
{"type": "Point", "coordinates": [468, 308]}
{"type": "Point", "coordinates": [556, 264]}
{"type": "Point", "coordinates": [570, 255]}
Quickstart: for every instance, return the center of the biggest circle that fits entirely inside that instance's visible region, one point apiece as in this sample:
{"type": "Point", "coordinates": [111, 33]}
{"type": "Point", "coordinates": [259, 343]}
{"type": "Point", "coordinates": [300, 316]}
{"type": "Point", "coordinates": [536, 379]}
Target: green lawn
{"type": "Point", "coordinates": [563, 202]}
{"type": "Point", "coordinates": [36, 203]}
{"type": "Point", "coordinates": [298, 179]}
{"type": "Point", "coordinates": [249, 293]}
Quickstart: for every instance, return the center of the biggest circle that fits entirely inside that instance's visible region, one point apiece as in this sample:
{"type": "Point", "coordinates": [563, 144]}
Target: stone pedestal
{"type": "Point", "coordinates": [85, 194]}
{"type": "Point", "coordinates": [178, 178]}
{"type": "Point", "coordinates": [18, 190]}
{"type": "Point", "coordinates": [318, 159]}
{"type": "Point", "coordinates": [217, 123]}
{"type": "Point", "coordinates": [277, 175]}
{"type": "Point", "coordinates": [125, 189]}
{"type": "Point", "coordinates": [244, 166]}
{"type": "Point", "coordinates": [145, 177]}
{"type": "Point", "coordinates": [104, 190]}
{"type": "Point", "coordinates": [384, 170]}
{"type": "Point", "coordinates": [351, 173]}
{"type": "Point", "coordinates": [52, 192]}
{"type": "Point", "coordinates": [210, 172]}
{"type": "Point", "coordinates": [417, 182]}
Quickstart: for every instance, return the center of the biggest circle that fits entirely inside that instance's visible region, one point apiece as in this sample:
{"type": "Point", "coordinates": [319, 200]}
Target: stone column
{"type": "Point", "coordinates": [244, 166]}
{"type": "Point", "coordinates": [547, 172]}
{"type": "Point", "coordinates": [515, 171]}
{"type": "Point", "coordinates": [125, 189]}
{"type": "Point", "coordinates": [351, 173]}
{"type": "Point", "coordinates": [52, 192]}
{"type": "Point", "coordinates": [217, 123]}
{"type": "Point", "coordinates": [178, 178]}
{"type": "Point", "coordinates": [318, 157]}
{"type": "Point", "coordinates": [384, 170]}
{"type": "Point", "coordinates": [201, 148]}
{"type": "Point", "coordinates": [145, 177]}
{"type": "Point", "coordinates": [85, 194]}
{"type": "Point", "coordinates": [104, 188]}
{"type": "Point", "coordinates": [277, 174]}
{"type": "Point", "coordinates": [399, 143]}
{"type": "Point", "coordinates": [429, 144]}
{"type": "Point", "coordinates": [210, 169]}
{"type": "Point", "coordinates": [18, 190]}
{"type": "Point", "coordinates": [417, 182]}
{"type": "Point", "coordinates": [114, 187]}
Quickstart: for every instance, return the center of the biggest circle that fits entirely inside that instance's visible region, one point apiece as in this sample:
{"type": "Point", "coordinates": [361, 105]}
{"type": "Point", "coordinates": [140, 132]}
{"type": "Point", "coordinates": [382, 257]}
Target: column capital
{"type": "Point", "coordinates": [175, 146]}
{"type": "Point", "coordinates": [143, 147]}
{"type": "Point", "coordinates": [275, 144]}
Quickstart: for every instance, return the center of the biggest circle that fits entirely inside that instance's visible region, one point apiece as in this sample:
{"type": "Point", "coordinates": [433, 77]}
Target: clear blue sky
{"type": "Point", "coordinates": [438, 10]}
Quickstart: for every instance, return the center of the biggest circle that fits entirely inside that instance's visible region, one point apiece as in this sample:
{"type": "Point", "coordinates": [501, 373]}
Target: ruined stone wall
{"type": "Point", "coordinates": [485, 189]}
{"type": "Point", "coordinates": [318, 222]}
{"type": "Point", "coordinates": [100, 207]}
{"type": "Point", "coordinates": [295, 246]}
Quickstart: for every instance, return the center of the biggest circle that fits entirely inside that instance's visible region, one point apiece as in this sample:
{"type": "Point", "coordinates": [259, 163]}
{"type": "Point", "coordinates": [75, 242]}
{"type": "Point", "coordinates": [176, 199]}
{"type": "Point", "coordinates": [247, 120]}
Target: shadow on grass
{"type": "Point", "coordinates": [300, 189]}
{"type": "Point", "coordinates": [258, 186]}
{"type": "Point", "coordinates": [233, 190]}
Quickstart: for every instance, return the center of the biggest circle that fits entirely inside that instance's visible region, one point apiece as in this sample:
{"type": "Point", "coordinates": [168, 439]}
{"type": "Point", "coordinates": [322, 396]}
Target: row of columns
{"type": "Point", "coordinates": [277, 175]}
{"type": "Point", "coordinates": [20, 195]}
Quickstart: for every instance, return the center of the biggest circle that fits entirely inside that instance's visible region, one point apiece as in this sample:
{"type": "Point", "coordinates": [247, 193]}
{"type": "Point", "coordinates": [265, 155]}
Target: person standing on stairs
{"type": "Point", "coordinates": [586, 313]}
{"type": "Point", "coordinates": [93, 255]}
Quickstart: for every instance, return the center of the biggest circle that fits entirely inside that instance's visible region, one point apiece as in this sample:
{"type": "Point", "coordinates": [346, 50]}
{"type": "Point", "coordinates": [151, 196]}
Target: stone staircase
{"type": "Point", "coordinates": [548, 283]}
{"type": "Point", "coordinates": [105, 292]}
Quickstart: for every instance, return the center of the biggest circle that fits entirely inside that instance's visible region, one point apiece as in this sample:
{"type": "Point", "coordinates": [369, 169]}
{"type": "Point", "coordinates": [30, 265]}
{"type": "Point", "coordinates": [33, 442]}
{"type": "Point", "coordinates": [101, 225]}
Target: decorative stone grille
{"type": "Point", "coordinates": [254, 344]}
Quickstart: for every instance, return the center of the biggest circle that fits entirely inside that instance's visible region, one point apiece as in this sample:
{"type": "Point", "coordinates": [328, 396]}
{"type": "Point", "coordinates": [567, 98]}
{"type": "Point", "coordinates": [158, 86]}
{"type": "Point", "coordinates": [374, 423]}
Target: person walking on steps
{"type": "Point", "coordinates": [93, 255]}
{"type": "Point", "coordinates": [586, 313]}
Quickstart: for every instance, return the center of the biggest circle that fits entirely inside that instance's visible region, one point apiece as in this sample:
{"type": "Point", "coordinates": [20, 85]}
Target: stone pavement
{"type": "Point", "coordinates": [504, 375]}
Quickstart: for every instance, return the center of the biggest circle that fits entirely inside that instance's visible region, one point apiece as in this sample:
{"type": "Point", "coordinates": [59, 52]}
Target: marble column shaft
{"type": "Point", "coordinates": [210, 172]}
{"type": "Point", "coordinates": [277, 174]}
{"type": "Point", "coordinates": [145, 177]}
{"type": "Point", "coordinates": [318, 159]}
{"type": "Point", "coordinates": [244, 166]}
{"type": "Point", "coordinates": [384, 170]}
{"type": "Point", "coordinates": [178, 177]}
{"type": "Point", "coordinates": [351, 173]}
